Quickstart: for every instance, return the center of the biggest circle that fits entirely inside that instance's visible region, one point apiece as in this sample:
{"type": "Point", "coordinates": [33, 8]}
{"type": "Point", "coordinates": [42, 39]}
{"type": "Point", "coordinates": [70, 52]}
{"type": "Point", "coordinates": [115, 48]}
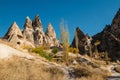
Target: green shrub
{"type": "Point", "coordinates": [42, 53]}
{"type": "Point", "coordinates": [73, 50]}
{"type": "Point", "coordinates": [54, 50]}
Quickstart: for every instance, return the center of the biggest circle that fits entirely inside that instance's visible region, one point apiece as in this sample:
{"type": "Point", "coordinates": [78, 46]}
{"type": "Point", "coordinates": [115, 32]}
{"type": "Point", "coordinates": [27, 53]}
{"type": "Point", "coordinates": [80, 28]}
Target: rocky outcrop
{"type": "Point", "coordinates": [110, 38]}
{"type": "Point", "coordinates": [50, 31]}
{"type": "Point", "coordinates": [39, 36]}
{"type": "Point", "coordinates": [28, 30]}
{"type": "Point", "coordinates": [32, 34]}
{"type": "Point", "coordinates": [14, 34]}
{"type": "Point", "coordinates": [81, 41]}
{"type": "Point", "coordinates": [51, 36]}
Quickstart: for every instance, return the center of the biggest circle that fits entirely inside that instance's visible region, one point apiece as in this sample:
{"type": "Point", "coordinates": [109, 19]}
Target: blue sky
{"type": "Point", "coordinates": [90, 16]}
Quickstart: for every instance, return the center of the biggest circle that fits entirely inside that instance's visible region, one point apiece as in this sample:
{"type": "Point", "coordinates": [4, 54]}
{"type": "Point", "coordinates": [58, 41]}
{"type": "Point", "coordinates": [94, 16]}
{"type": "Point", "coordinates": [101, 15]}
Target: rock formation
{"type": "Point", "coordinates": [110, 38]}
{"type": "Point", "coordinates": [14, 34]}
{"type": "Point", "coordinates": [39, 36]}
{"type": "Point", "coordinates": [51, 36]}
{"type": "Point", "coordinates": [81, 41]}
{"type": "Point", "coordinates": [28, 30]}
{"type": "Point", "coordinates": [32, 35]}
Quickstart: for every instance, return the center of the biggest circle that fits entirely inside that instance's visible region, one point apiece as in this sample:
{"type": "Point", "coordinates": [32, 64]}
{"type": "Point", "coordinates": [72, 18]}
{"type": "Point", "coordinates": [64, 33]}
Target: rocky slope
{"type": "Point", "coordinates": [32, 34]}
{"type": "Point", "coordinates": [110, 38]}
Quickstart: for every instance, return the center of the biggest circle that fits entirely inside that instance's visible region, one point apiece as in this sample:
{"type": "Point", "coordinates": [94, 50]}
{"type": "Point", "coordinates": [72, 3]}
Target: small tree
{"type": "Point", "coordinates": [96, 44]}
{"type": "Point", "coordinates": [76, 41]}
{"type": "Point", "coordinates": [64, 34]}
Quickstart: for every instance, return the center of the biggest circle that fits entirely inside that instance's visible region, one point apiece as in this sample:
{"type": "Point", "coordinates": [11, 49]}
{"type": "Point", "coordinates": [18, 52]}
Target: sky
{"type": "Point", "coordinates": [90, 16]}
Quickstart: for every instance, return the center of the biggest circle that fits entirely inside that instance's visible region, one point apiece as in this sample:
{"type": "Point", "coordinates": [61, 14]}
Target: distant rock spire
{"type": "Point", "coordinates": [28, 30]}
{"type": "Point", "coordinates": [51, 36]}
{"type": "Point", "coordinates": [39, 36]}
{"type": "Point", "coordinates": [32, 34]}
{"type": "Point", "coordinates": [81, 40]}
{"type": "Point", "coordinates": [50, 31]}
{"type": "Point", "coordinates": [37, 23]}
{"type": "Point", "coordinates": [14, 34]}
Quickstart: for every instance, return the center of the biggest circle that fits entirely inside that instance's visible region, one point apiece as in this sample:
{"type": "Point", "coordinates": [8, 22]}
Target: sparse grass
{"type": "Point", "coordinates": [92, 77]}
{"type": "Point", "coordinates": [117, 69]}
{"type": "Point", "coordinates": [81, 72]}
{"type": "Point", "coordinates": [23, 69]}
{"type": "Point", "coordinates": [95, 65]}
{"type": "Point", "coordinates": [41, 52]}
{"type": "Point", "coordinates": [86, 72]}
{"type": "Point", "coordinates": [54, 50]}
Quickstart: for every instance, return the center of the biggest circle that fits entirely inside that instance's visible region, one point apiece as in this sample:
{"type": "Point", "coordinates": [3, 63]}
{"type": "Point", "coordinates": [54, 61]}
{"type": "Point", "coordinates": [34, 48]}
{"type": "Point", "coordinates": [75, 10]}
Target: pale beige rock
{"type": "Point", "coordinates": [51, 36]}
{"type": "Point", "coordinates": [28, 31]}
{"type": "Point", "coordinates": [50, 31]}
{"type": "Point", "coordinates": [39, 36]}
{"type": "Point", "coordinates": [14, 34]}
{"type": "Point", "coordinates": [32, 35]}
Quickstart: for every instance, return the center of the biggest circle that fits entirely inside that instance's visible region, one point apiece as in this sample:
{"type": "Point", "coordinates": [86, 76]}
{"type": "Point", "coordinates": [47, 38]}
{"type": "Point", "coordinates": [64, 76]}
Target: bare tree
{"type": "Point", "coordinates": [76, 42]}
{"type": "Point", "coordinates": [64, 34]}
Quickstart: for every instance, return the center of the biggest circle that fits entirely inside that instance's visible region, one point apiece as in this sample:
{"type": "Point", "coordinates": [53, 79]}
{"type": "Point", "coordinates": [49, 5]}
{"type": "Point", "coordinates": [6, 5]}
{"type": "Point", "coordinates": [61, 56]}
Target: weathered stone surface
{"type": "Point", "coordinates": [14, 34]}
{"type": "Point", "coordinates": [32, 35]}
{"type": "Point", "coordinates": [28, 30]}
{"type": "Point", "coordinates": [81, 41]}
{"type": "Point", "coordinates": [50, 31]}
{"type": "Point", "coordinates": [110, 38]}
{"type": "Point", "coordinates": [39, 36]}
{"type": "Point", "coordinates": [51, 36]}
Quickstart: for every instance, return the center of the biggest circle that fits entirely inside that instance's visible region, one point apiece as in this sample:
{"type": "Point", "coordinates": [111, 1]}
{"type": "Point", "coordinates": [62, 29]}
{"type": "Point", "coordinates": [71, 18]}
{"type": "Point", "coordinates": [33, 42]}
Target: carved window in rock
{"type": "Point", "coordinates": [18, 43]}
{"type": "Point", "coordinates": [19, 36]}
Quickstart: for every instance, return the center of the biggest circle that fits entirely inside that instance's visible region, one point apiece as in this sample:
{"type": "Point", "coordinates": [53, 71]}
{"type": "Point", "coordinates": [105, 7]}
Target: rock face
{"type": "Point", "coordinates": [110, 38]}
{"type": "Point", "coordinates": [39, 36]}
{"type": "Point", "coordinates": [81, 41]}
{"type": "Point", "coordinates": [51, 36]}
{"type": "Point", "coordinates": [28, 30]}
{"type": "Point", "coordinates": [32, 35]}
{"type": "Point", "coordinates": [14, 34]}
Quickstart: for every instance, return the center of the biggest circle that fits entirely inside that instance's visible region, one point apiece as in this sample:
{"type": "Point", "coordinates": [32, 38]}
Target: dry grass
{"type": "Point", "coordinates": [23, 69]}
{"type": "Point", "coordinates": [117, 69]}
{"type": "Point", "coordinates": [87, 72]}
{"type": "Point", "coordinates": [92, 77]}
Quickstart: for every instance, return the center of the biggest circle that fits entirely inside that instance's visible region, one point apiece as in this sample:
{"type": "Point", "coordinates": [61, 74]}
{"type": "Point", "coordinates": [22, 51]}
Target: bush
{"type": "Point", "coordinates": [54, 50]}
{"type": "Point", "coordinates": [26, 47]}
{"type": "Point", "coordinates": [73, 50]}
{"type": "Point", "coordinates": [41, 52]}
{"type": "Point", "coordinates": [117, 69]}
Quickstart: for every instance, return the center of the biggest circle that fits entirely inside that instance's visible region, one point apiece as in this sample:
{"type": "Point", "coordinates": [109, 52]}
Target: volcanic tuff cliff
{"type": "Point", "coordinates": [81, 41]}
{"type": "Point", "coordinates": [32, 35]}
{"type": "Point", "coordinates": [110, 38]}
